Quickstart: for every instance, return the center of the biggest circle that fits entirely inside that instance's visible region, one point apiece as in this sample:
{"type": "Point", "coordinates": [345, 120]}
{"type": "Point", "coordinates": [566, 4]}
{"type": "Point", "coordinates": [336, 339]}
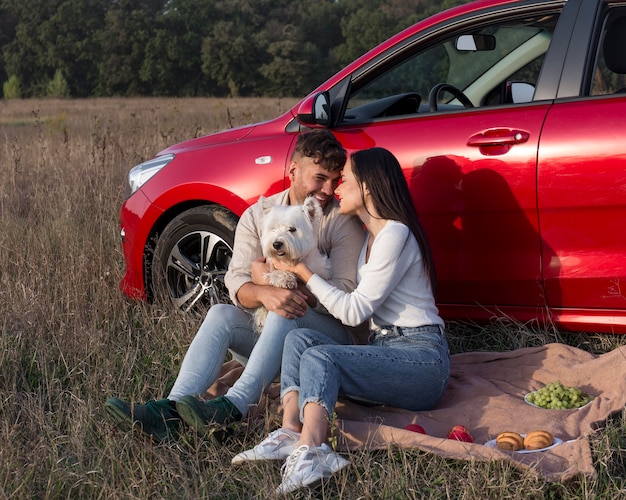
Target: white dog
{"type": "Point", "coordinates": [290, 234]}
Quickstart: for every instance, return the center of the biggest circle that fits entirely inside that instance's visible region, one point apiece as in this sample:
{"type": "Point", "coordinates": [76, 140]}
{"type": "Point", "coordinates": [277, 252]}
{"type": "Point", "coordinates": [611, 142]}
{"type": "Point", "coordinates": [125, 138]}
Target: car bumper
{"type": "Point", "coordinates": [137, 218]}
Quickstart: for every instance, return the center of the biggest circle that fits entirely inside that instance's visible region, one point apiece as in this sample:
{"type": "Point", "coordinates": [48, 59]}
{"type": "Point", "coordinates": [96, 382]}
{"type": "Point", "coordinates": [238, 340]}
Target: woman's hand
{"type": "Point", "coordinates": [300, 269]}
{"type": "Point", "coordinates": [284, 266]}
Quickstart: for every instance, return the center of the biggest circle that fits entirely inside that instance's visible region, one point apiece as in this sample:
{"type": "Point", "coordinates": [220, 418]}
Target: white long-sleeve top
{"type": "Point", "coordinates": [392, 289]}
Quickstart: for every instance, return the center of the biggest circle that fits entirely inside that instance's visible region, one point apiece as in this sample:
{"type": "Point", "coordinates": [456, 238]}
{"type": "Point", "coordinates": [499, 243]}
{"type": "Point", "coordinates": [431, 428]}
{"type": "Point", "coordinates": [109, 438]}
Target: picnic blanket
{"type": "Point", "coordinates": [486, 395]}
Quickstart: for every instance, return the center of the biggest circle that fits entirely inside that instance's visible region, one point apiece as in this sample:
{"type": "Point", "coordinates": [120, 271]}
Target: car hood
{"type": "Point", "coordinates": [230, 135]}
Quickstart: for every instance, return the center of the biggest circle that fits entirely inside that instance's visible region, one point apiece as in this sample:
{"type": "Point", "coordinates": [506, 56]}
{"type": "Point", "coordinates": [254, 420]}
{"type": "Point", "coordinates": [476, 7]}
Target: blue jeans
{"type": "Point", "coordinates": [408, 371]}
{"type": "Point", "coordinates": [227, 327]}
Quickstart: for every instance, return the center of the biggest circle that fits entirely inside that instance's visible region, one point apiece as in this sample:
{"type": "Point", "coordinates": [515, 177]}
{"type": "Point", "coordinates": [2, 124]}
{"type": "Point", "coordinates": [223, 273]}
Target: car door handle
{"type": "Point", "coordinates": [498, 137]}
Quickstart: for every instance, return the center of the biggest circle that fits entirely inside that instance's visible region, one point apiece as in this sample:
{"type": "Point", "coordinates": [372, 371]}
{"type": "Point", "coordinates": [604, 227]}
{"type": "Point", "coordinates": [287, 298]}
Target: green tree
{"type": "Point", "coordinates": [128, 28]}
{"type": "Point", "coordinates": [58, 87]}
{"type": "Point", "coordinates": [432, 7]}
{"type": "Point", "coordinates": [8, 21]}
{"type": "Point", "coordinates": [11, 89]}
{"type": "Point", "coordinates": [70, 38]}
{"type": "Point", "coordinates": [25, 55]}
{"type": "Point", "coordinates": [271, 47]}
{"type": "Point", "coordinates": [51, 35]}
{"type": "Point", "coordinates": [364, 25]}
{"type": "Point", "coordinates": [237, 46]}
{"type": "Point", "coordinates": [288, 70]}
{"type": "Point", "coordinates": [320, 24]}
{"type": "Point", "coordinates": [192, 47]}
{"type": "Point", "coordinates": [172, 64]}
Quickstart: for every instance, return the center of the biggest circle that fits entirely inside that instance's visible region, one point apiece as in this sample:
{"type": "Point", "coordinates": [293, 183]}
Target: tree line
{"type": "Point", "coordinates": [84, 48]}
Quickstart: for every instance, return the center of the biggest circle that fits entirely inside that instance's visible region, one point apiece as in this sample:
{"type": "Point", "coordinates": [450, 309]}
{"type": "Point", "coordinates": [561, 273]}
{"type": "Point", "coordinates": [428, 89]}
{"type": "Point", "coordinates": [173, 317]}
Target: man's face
{"type": "Point", "coordinates": [310, 179]}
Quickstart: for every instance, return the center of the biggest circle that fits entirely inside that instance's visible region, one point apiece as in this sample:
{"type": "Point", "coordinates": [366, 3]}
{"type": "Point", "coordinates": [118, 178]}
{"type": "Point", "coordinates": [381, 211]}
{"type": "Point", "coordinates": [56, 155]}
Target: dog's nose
{"type": "Point", "coordinates": [277, 245]}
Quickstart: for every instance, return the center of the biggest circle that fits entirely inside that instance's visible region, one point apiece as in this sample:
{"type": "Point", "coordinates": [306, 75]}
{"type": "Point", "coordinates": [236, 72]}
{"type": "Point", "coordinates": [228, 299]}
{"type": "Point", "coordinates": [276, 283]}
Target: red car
{"type": "Point", "coordinates": [508, 117]}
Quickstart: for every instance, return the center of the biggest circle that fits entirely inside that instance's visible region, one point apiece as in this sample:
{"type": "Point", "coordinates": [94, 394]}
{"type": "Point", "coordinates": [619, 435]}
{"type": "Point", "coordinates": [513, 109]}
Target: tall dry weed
{"type": "Point", "coordinates": [69, 339]}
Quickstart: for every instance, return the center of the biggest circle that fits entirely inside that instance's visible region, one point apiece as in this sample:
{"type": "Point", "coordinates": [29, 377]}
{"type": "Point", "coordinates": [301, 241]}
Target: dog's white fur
{"type": "Point", "coordinates": [290, 234]}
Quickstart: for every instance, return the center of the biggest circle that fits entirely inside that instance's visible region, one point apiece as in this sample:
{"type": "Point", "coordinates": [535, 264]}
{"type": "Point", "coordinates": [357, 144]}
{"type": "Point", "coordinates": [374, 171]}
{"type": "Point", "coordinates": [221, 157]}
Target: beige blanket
{"type": "Point", "coordinates": [486, 395]}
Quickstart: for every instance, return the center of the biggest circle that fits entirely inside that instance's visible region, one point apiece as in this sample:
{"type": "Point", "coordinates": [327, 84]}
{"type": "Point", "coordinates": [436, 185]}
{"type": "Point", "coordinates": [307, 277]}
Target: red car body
{"type": "Point", "coordinates": [523, 198]}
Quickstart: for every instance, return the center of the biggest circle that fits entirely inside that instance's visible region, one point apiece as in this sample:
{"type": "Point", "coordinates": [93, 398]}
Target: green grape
{"type": "Point", "coordinates": [556, 396]}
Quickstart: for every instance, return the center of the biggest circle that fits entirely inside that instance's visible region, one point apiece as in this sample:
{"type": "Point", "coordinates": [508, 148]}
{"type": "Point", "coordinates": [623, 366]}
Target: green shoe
{"type": "Point", "coordinates": [156, 419]}
{"type": "Point", "coordinates": [200, 414]}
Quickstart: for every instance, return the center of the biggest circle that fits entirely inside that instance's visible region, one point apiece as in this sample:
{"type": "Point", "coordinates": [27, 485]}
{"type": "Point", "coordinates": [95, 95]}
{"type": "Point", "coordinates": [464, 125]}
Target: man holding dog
{"type": "Point", "coordinates": [314, 170]}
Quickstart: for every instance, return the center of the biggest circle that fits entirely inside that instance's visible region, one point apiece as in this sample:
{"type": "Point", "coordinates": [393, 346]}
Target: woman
{"type": "Point", "coordinates": [407, 362]}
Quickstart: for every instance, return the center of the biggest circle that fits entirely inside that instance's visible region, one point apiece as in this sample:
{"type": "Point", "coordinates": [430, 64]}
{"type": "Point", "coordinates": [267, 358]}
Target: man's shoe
{"type": "Point", "coordinates": [198, 414]}
{"type": "Point", "coordinates": [277, 446]}
{"type": "Point", "coordinates": [156, 419]}
{"type": "Point", "coordinates": [309, 465]}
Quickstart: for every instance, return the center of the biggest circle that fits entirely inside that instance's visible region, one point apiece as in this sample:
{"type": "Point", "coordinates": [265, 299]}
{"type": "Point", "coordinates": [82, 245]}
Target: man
{"type": "Point", "coordinates": [315, 169]}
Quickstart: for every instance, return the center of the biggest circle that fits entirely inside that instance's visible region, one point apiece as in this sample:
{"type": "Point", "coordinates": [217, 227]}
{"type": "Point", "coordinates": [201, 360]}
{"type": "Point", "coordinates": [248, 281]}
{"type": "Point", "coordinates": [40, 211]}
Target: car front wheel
{"type": "Point", "coordinates": [191, 257]}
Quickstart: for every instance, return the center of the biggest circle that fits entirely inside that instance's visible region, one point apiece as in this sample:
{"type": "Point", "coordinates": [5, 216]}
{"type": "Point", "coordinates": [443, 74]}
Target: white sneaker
{"type": "Point", "coordinates": [307, 466]}
{"type": "Point", "coordinates": [278, 445]}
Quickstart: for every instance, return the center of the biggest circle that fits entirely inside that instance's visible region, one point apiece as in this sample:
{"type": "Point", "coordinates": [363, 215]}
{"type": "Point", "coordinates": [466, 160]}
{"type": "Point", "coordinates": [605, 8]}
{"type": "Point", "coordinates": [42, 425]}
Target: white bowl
{"type": "Point", "coordinates": [541, 407]}
{"type": "Point", "coordinates": [492, 444]}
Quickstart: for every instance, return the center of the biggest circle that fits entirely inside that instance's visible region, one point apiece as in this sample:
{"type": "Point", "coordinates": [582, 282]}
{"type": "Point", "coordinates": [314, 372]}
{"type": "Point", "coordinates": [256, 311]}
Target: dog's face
{"type": "Point", "coordinates": [290, 232]}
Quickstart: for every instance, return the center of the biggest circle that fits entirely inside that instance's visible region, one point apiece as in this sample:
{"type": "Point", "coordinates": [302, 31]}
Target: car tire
{"type": "Point", "coordinates": [191, 258]}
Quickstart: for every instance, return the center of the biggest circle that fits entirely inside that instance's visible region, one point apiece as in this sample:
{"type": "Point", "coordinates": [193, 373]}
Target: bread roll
{"type": "Point", "coordinates": [536, 440]}
{"type": "Point", "coordinates": [509, 441]}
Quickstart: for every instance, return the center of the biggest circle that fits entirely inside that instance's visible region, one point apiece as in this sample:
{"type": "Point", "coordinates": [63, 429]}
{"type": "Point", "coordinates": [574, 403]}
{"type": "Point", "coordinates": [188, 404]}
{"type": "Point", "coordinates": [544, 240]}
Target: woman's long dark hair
{"type": "Point", "coordinates": [381, 172]}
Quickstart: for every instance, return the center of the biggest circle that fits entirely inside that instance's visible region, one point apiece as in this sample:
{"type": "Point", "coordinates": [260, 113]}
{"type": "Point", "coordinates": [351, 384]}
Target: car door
{"type": "Point", "coordinates": [471, 170]}
{"type": "Point", "coordinates": [582, 176]}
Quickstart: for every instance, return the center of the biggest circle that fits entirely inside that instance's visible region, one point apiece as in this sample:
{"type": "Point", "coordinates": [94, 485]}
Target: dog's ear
{"type": "Point", "coordinates": [312, 209]}
{"type": "Point", "coordinates": [265, 205]}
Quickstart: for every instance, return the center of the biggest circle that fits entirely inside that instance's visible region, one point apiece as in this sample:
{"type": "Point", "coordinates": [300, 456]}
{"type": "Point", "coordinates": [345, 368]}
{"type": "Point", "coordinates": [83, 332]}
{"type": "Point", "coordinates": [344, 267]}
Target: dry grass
{"type": "Point", "coordinates": [69, 338]}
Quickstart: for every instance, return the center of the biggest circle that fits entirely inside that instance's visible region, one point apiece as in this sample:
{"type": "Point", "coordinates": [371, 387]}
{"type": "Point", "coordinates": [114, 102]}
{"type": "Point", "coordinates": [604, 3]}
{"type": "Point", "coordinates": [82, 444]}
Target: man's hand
{"type": "Point", "coordinates": [311, 299]}
{"type": "Point", "coordinates": [258, 269]}
{"type": "Point", "coordinates": [290, 304]}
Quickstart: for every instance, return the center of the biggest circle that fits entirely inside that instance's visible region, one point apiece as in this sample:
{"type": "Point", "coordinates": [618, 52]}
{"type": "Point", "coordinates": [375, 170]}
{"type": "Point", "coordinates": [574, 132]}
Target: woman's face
{"type": "Point", "coordinates": [349, 192]}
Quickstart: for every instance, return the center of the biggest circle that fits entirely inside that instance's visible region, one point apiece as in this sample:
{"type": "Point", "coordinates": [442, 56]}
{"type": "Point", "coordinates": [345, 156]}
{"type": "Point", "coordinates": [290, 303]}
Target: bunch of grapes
{"type": "Point", "coordinates": [556, 396]}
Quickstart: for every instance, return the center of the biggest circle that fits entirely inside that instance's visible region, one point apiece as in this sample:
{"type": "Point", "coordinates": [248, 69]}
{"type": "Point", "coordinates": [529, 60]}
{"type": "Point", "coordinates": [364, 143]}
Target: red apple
{"type": "Point", "coordinates": [415, 428]}
{"type": "Point", "coordinates": [460, 433]}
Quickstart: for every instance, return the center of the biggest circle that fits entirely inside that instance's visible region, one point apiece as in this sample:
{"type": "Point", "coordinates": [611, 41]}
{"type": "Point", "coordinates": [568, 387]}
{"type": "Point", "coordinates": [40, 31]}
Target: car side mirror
{"type": "Point", "coordinates": [315, 110]}
{"type": "Point", "coordinates": [521, 92]}
{"type": "Point", "coordinates": [475, 43]}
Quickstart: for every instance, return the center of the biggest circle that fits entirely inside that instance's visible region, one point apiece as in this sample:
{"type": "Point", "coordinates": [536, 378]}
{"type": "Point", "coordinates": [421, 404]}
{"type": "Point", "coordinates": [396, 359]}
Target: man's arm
{"type": "Point", "coordinates": [247, 249]}
{"type": "Point", "coordinates": [287, 303]}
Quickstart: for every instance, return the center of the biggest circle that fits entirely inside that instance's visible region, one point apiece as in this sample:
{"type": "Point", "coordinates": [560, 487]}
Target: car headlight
{"type": "Point", "coordinates": [140, 174]}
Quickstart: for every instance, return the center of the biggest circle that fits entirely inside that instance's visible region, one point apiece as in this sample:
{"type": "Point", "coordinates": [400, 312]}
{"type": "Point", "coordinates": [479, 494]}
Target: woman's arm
{"type": "Point", "coordinates": [389, 260]}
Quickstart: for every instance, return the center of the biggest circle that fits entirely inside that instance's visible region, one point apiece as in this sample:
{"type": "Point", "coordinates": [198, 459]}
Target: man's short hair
{"type": "Point", "coordinates": [323, 147]}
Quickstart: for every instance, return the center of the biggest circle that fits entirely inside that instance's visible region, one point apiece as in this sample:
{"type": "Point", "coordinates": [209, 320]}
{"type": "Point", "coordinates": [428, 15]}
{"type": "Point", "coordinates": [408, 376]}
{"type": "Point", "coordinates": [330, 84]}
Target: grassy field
{"type": "Point", "coordinates": [69, 339]}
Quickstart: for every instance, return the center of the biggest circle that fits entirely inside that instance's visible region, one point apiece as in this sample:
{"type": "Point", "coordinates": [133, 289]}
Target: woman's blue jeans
{"type": "Point", "coordinates": [227, 327]}
{"type": "Point", "coordinates": [408, 371]}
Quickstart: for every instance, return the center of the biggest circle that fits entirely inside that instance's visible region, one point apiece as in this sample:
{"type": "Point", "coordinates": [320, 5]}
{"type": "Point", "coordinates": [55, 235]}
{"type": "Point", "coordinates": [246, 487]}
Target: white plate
{"type": "Point", "coordinates": [557, 441]}
{"type": "Point", "coordinates": [532, 404]}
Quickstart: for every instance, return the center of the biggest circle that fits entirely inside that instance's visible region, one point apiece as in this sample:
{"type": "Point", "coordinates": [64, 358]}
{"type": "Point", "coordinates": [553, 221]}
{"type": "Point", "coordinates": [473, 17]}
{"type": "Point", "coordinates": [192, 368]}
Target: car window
{"type": "Point", "coordinates": [609, 76]}
{"type": "Point", "coordinates": [486, 65]}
